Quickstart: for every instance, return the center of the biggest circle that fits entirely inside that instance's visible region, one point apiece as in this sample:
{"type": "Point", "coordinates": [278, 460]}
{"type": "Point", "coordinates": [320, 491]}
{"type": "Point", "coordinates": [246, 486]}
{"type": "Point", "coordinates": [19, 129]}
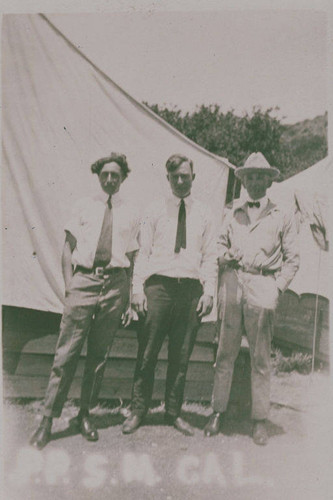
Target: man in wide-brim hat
{"type": "Point", "coordinates": [259, 253]}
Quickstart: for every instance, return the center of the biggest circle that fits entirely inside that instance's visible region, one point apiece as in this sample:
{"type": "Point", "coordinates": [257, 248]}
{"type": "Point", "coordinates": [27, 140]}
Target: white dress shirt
{"type": "Point", "coordinates": [157, 255]}
{"type": "Point", "coordinates": [85, 225]}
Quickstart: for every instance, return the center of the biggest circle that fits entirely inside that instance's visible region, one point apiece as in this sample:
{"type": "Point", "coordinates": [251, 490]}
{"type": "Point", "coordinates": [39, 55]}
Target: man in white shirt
{"type": "Point", "coordinates": [258, 250]}
{"type": "Point", "coordinates": [101, 238]}
{"type": "Point", "coordinates": [173, 286]}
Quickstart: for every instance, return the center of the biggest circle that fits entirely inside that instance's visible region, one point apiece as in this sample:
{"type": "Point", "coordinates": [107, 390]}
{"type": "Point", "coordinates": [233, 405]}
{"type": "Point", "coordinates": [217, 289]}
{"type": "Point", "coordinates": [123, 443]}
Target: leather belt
{"type": "Point", "coordinates": [99, 271]}
{"type": "Point", "coordinates": [252, 270]}
{"type": "Point", "coordinates": [176, 281]}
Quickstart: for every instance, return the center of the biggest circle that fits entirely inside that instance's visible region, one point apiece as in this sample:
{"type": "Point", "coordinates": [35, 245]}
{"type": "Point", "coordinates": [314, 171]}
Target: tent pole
{"type": "Point", "coordinates": [315, 318]}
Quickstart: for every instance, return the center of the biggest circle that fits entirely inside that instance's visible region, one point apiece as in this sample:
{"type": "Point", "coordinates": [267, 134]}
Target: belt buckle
{"type": "Point", "coordinates": [99, 271]}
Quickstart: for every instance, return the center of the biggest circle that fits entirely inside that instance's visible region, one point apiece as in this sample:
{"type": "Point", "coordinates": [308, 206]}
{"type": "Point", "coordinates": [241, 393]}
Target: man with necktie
{"type": "Point", "coordinates": [173, 286]}
{"type": "Point", "coordinates": [258, 252]}
{"type": "Point", "coordinates": [101, 239]}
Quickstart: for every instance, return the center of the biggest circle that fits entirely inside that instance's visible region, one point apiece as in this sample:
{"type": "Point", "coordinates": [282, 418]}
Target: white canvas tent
{"type": "Point", "coordinates": [60, 114]}
{"type": "Point", "coordinates": [303, 321]}
{"type": "Point", "coordinates": [307, 194]}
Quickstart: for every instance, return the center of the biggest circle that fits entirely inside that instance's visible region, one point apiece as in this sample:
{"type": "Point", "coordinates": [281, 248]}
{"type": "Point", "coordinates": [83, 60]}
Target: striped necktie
{"type": "Point", "coordinates": [103, 251]}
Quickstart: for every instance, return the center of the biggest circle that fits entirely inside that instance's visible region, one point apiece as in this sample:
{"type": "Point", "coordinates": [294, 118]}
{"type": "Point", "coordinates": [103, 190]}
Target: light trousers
{"type": "Point", "coordinates": [238, 316]}
{"type": "Point", "coordinates": [93, 310]}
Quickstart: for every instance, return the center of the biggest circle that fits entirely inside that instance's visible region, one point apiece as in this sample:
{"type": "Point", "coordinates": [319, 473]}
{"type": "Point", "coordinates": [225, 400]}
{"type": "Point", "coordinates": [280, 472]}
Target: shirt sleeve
{"type": "Point", "coordinates": [290, 253]}
{"type": "Point", "coordinates": [73, 223]}
{"type": "Point", "coordinates": [209, 256]}
{"type": "Point", "coordinates": [141, 263]}
{"type": "Point", "coordinates": [133, 243]}
{"type": "Point", "coordinates": [223, 241]}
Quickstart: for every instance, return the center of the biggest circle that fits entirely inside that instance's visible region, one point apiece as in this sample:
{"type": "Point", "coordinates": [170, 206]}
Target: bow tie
{"type": "Point", "coordinates": [252, 204]}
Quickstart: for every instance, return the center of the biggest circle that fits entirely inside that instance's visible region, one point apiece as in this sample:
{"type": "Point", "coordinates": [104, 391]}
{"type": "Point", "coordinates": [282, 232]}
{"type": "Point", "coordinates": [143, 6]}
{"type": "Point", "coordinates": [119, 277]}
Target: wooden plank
{"type": "Point", "coordinates": [123, 347]}
{"type": "Point", "coordinates": [198, 387]}
{"type": "Point", "coordinates": [29, 342]}
{"type": "Point", "coordinates": [29, 324]}
{"type": "Point", "coordinates": [294, 324]}
{"type": "Point", "coordinates": [34, 387]}
{"type": "Point", "coordinates": [40, 365]}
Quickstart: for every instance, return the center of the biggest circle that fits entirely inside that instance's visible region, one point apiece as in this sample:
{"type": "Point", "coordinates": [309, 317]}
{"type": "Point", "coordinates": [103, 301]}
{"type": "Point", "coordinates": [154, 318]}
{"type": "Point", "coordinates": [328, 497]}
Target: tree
{"type": "Point", "coordinates": [234, 137]}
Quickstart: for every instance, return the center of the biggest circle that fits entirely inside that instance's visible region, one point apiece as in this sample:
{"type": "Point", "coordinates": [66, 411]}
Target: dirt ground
{"type": "Point", "coordinates": [157, 462]}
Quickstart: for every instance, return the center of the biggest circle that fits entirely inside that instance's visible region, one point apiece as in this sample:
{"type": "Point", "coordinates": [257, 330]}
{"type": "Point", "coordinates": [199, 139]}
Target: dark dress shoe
{"type": "Point", "coordinates": [259, 434]}
{"type": "Point", "coordinates": [212, 428]}
{"type": "Point", "coordinates": [179, 424]}
{"type": "Point", "coordinates": [132, 423]}
{"type": "Point", "coordinates": [42, 435]}
{"type": "Point", "coordinates": [87, 428]}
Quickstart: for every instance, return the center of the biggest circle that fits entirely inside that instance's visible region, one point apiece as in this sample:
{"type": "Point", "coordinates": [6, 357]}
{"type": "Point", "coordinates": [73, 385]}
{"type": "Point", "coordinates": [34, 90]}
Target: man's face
{"type": "Point", "coordinates": [110, 178]}
{"type": "Point", "coordinates": [181, 180]}
{"type": "Point", "coordinates": [256, 184]}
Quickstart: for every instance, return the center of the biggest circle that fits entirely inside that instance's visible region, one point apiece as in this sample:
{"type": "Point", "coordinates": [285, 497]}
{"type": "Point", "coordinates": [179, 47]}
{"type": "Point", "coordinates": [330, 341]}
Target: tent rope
{"type": "Point", "coordinates": [316, 316]}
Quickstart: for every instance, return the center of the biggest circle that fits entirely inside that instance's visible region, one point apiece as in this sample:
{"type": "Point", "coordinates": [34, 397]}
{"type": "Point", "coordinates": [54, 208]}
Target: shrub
{"type": "Point", "coordinates": [297, 361]}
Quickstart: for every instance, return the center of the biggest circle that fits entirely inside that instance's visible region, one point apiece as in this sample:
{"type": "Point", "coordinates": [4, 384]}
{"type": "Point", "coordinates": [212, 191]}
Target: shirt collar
{"type": "Point", "coordinates": [241, 204]}
{"type": "Point", "coordinates": [102, 197]}
{"type": "Point", "coordinates": [176, 200]}
{"type": "Point", "coordinates": [263, 201]}
{"type": "Point", "coordinates": [115, 200]}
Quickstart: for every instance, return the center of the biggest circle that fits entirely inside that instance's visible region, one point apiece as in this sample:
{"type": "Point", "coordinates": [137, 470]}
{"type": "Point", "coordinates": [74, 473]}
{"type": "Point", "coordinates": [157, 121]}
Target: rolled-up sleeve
{"type": "Point", "coordinates": [133, 243]}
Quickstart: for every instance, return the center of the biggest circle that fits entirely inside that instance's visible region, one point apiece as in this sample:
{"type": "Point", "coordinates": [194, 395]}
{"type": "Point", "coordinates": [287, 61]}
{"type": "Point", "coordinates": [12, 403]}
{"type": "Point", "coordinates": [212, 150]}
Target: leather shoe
{"type": "Point", "coordinates": [132, 423]}
{"type": "Point", "coordinates": [42, 435]}
{"type": "Point", "coordinates": [260, 435]}
{"type": "Point", "coordinates": [87, 428]}
{"type": "Point", "coordinates": [212, 428]}
{"type": "Point", "coordinates": [179, 424]}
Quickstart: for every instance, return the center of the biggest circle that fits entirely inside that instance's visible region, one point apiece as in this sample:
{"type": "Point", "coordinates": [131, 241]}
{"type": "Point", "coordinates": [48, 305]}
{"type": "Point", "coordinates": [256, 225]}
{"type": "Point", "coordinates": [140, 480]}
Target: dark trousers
{"type": "Point", "coordinates": [93, 310]}
{"type": "Point", "coordinates": [171, 311]}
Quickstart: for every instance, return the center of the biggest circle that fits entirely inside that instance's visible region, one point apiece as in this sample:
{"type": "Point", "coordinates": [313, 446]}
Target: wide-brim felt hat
{"type": "Point", "coordinates": [256, 162]}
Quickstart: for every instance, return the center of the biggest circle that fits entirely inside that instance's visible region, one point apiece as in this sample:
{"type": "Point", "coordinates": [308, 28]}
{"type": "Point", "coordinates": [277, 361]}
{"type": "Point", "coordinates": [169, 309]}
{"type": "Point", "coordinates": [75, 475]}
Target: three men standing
{"type": "Point", "coordinates": [174, 283]}
{"type": "Point", "coordinates": [259, 254]}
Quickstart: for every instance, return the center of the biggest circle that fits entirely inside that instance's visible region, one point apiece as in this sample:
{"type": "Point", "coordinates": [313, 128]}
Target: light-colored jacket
{"type": "Point", "coordinates": [270, 243]}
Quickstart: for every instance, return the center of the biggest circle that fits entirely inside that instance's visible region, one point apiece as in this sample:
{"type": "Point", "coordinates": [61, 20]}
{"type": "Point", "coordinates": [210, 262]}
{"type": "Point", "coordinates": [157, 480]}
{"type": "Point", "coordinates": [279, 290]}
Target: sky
{"type": "Point", "coordinates": [234, 58]}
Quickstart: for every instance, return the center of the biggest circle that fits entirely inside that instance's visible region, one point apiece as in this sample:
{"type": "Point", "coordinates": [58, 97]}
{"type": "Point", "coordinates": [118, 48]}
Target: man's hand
{"type": "Point", "coordinates": [231, 257]}
{"type": "Point", "coordinates": [139, 303]}
{"type": "Point", "coordinates": [127, 317]}
{"type": "Point", "coordinates": [205, 305]}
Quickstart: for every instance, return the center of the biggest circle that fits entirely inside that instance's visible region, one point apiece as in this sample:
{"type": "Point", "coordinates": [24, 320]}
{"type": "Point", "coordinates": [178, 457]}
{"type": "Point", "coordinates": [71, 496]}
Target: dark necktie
{"type": "Point", "coordinates": [252, 204]}
{"type": "Point", "coordinates": [181, 228]}
{"type": "Point", "coordinates": [103, 250]}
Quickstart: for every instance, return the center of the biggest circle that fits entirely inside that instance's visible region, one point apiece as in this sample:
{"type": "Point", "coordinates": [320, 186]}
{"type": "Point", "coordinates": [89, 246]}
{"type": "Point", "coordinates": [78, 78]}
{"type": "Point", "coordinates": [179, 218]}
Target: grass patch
{"type": "Point", "coordinates": [104, 407]}
{"type": "Point", "coordinates": [297, 361]}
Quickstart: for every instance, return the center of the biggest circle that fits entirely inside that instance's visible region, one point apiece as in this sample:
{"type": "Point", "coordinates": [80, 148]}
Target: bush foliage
{"type": "Point", "coordinates": [297, 361]}
{"type": "Point", "coordinates": [291, 148]}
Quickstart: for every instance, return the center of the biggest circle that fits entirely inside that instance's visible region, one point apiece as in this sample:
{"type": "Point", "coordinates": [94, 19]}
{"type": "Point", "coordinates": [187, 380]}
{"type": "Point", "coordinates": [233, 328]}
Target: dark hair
{"type": "Point", "coordinates": [175, 161]}
{"type": "Point", "coordinates": [118, 158]}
